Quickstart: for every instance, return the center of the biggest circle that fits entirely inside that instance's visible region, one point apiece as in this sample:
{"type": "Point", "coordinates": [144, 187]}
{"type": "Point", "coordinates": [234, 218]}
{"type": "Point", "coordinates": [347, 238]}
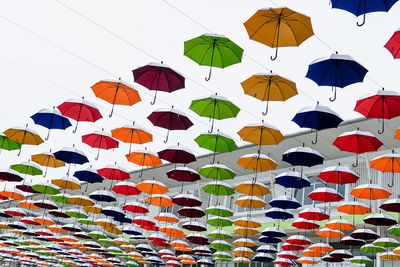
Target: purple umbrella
{"type": "Point", "coordinates": [170, 119]}
{"type": "Point", "coordinates": [176, 154]}
{"type": "Point", "coordinates": [159, 77]}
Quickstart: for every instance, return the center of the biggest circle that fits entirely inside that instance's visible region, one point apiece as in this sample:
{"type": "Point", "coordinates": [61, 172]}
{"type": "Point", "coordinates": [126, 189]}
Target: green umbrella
{"type": "Point", "coordinates": [222, 259]}
{"type": "Point", "coordinates": [220, 234]}
{"type": "Point", "coordinates": [386, 242]}
{"type": "Point", "coordinates": [213, 50]}
{"type": "Point", "coordinates": [105, 241]}
{"type": "Point", "coordinates": [370, 248]}
{"type": "Point", "coordinates": [114, 250]}
{"type": "Point", "coordinates": [61, 198]}
{"type": "Point", "coordinates": [27, 168]}
{"type": "Point", "coordinates": [8, 144]}
{"type": "Point", "coordinates": [218, 188]}
{"type": "Point", "coordinates": [394, 230]}
{"type": "Point", "coordinates": [214, 107]}
{"type": "Point", "coordinates": [222, 255]}
{"type": "Point", "coordinates": [219, 222]}
{"type": "Point", "coordinates": [216, 142]}
{"type": "Point", "coordinates": [98, 235]}
{"type": "Point", "coordinates": [221, 245]}
{"type": "Point", "coordinates": [220, 211]}
{"type": "Point", "coordinates": [217, 172]}
{"type": "Point", "coordinates": [46, 188]}
{"type": "Point", "coordinates": [361, 260]}
{"type": "Point", "coordinates": [76, 213]}
{"type": "Point", "coordinates": [131, 264]}
{"type": "Point", "coordinates": [87, 221]}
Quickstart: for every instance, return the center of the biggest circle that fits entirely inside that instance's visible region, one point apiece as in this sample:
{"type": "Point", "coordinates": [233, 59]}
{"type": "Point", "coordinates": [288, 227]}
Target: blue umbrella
{"type": "Point", "coordinates": [277, 213]}
{"type": "Point", "coordinates": [269, 239]}
{"type": "Point", "coordinates": [292, 179]}
{"type": "Point", "coordinates": [284, 202]}
{"type": "Point", "coordinates": [362, 7]}
{"type": "Point", "coordinates": [317, 118]}
{"type": "Point", "coordinates": [303, 156]}
{"type": "Point", "coordinates": [267, 249]}
{"type": "Point", "coordinates": [113, 212]}
{"type": "Point", "coordinates": [263, 257]}
{"type": "Point", "coordinates": [89, 175]}
{"type": "Point", "coordinates": [71, 155]}
{"type": "Point", "coordinates": [51, 119]}
{"type": "Point", "coordinates": [273, 232]}
{"type": "Point", "coordinates": [102, 195]}
{"type": "Point", "coordinates": [336, 71]}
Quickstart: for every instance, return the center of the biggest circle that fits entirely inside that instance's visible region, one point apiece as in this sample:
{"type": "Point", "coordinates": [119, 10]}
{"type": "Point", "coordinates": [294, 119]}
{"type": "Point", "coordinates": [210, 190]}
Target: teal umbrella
{"type": "Point", "coordinates": [213, 50]}
{"type": "Point", "coordinates": [8, 144]}
{"type": "Point", "coordinates": [221, 211]}
{"type": "Point", "coordinates": [217, 172]}
{"type": "Point", "coordinates": [214, 107]}
{"type": "Point", "coordinates": [219, 222]}
{"type": "Point", "coordinates": [27, 168]}
{"type": "Point", "coordinates": [218, 188]}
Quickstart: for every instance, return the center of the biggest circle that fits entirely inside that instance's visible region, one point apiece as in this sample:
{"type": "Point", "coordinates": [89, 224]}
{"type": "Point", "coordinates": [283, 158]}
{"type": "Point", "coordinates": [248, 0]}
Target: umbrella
{"type": "Point", "coordinates": [364, 234]}
{"type": "Point", "coordinates": [266, 249]}
{"type": "Point", "coordinates": [301, 223]}
{"type": "Point", "coordinates": [221, 211]}
{"type": "Point", "coordinates": [100, 140]}
{"type": "Point", "coordinates": [314, 214]}
{"type": "Point", "coordinates": [252, 188]}
{"type": "Point", "coordinates": [263, 257]}
{"type": "Point", "coordinates": [126, 188]}
{"type": "Point", "coordinates": [81, 200]}
{"type": "Point", "coordinates": [8, 144]}
{"type": "Point", "coordinates": [261, 134]}
{"type": "Point", "coordinates": [325, 194]}
{"type": "Point", "coordinates": [380, 219]}
{"type": "Point", "coordinates": [370, 191]}
{"type": "Point", "coordinates": [394, 230]}
{"type": "Point", "coordinates": [392, 205]}
{"type": "Point", "coordinates": [220, 245]}
{"type": "Point", "coordinates": [284, 202]}
{"type": "Point", "coordinates": [251, 202]}
{"type": "Point", "coordinates": [114, 172]}
{"type": "Point", "coordinates": [298, 240]}
{"type": "Point", "coordinates": [287, 255]}
{"type": "Point", "coordinates": [393, 45]}
{"type": "Point", "coordinates": [317, 118]}
{"type": "Point", "coordinates": [389, 256]}
{"type": "Point", "coordinates": [370, 248]}
{"type": "Point", "coordinates": [307, 260]}
{"type": "Point", "coordinates": [247, 222]}
{"type": "Point", "coordinates": [152, 187]}
{"type": "Point", "coordinates": [341, 225]}
{"type": "Point", "coordinates": [382, 105]}
{"type": "Point", "coordinates": [51, 119]}
{"type": "Point", "coordinates": [353, 207]}
{"type": "Point", "coordinates": [23, 136]}
{"type": "Point", "coordinates": [135, 207]}
{"type": "Point", "coordinates": [338, 175]}
{"type": "Point", "coordinates": [46, 204]}
{"type": "Point", "coordinates": [242, 252]}
{"type": "Point", "coordinates": [71, 155]}
{"type": "Point", "coordinates": [217, 172]}
{"type": "Point", "coordinates": [386, 242]}
{"type": "Point", "coordinates": [361, 260]}
{"type": "Point", "coordinates": [176, 154]}
{"type": "Point", "coordinates": [349, 241]}
{"type": "Point", "coordinates": [213, 50]}
{"type": "Point", "coordinates": [214, 107]}
{"type": "Point", "coordinates": [28, 204]}
{"type": "Point", "coordinates": [302, 156]}
{"type": "Point", "coordinates": [191, 212]}
{"type": "Point", "coordinates": [29, 168]}
{"type": "Point", "coordinates": [326, 232]}
{"type": "Point", "coordinates": [292, 179]}
{"type": "Point", "coordinates": [102, 195]}
{"type": "Point", "coordinates": [336, 71]}
{"type": "Point", "coordinates": [159, 77]}
{"type": "Point", "coordinates": [291, 247]}
{"type": "Point", "coordinates": [387, 163]}
{"type": "Point", "coordinates": [244, 242]}
{"type": "Point", "coordinates": [269, 87]}
{"type": "Point", "coordinates": [321, 247]}
{"type": "Point", "coordinates": [219, 221]}
{"type": "Point", "coordinates": [218, 188]}
{"type": "Point", "coordinates": [341, 254]}
{"type": "Point", "coordinates": [170, 119]}
{"type": "Point", "coordinates": [160, 200]}
{"type": "Point", "coordinates": [132, 134]}
{"type": "Point", "coordinates": [187, 200]}
{"type": "Point", "coordinates": [360, 7]}
{"type": "Point", "coordinates": [116, 93]}
{"type": "Point", "coordinates": [197, 238]}
{"type": "Point", "coordinates": [195, 226]}
{"type": "Point", "coordinates": [47, 159]}
{"type": "Point", "coordinates": [88, 175]}
{"type": "Point", "coordinates": [10, 176]}
{"type": "Point", "coordinates": [285, 262]}
{"type": "Point", "coordinates": [70, 183]}
{"type": "Point", "coordinates": [274, 232]}
{"type": "Point", "coordinates": [277, 213]}
{"type": "Point", "coordinates": [257, 162]}
{"type": "Point", "coordinates": [183, 174]}
{"type": "Point", "coordinates": [46, 188]}
{"type": "Point", "coordinates": [279, 27]}
{"type": "Point", "coordinates": [144, 158]}
{"type": "Point", "coordinates": [80, 110]}
{"type": "Point", "coordinates": [216, 142]}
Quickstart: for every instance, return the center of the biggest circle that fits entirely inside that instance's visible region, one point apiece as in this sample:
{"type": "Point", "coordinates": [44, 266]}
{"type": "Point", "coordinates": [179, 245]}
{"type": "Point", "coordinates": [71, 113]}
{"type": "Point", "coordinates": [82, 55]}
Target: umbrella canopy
{"type": "Point", "coordinates": [71, 155]}
{"type": "Point", "coordinates": [70, 183]}
{"type": "Point", "coordinates": [353, 207]}
{"type": "Point", "coordinates": [100, 140]}
{"type": "Point", "coordinates": [116, 93]}
{"type": "Point", "coordinates": [261, 134]}
{"type": "Point", "coordinates": [8, 144]}
{"type": "Point", "coordinates": [284, 202]}
{"type": "Point", "coordinates": [394, 230]}
{"type": "Point", "coordinates": [218, 188]}
{"type": "Point", "coordinates": [103, 196]}
{"type": "Point", "coordinates": [47, 159]}
{"type": "Point", "coordinates": [257, 162]}
{"type": "Point", "coordinates": [298, 240]}
{"type": "Point", "coordinates": [370, 248]}
{"type": "Point", "coordinates": [250, 202]}
{"type": "Point", "coordinates": [217, 172]}
{"type": "Point", "coordinates": [370, 191]}
{"type": "Point", "coordinates": [386, 242]}
{"type": "Point", "coordinates": [392, 205]}
{"type": "Point", "coordinates": [269, 87]}
{"type": "Point", "coordinates": [247, 222]}
{"type": "Point", "coordinates": [88, 175]}
{"type": "Point", "coordinates": [389, 256]}
{"type": "Point", "coordinates": [291, 247]}
{"type": "Point", "coordinates": [114, 172]}
{"type": "Point", "coordinates": [10, 176]}
{"type": "Point", "coordinates": [252, 188]}
{"type": "Point", "coordinates": [287, 255]}
{"type": "Point", "coordinates": [183, 174]}
{"type": "Point", "coordinates": [393, 45]}
{"type": "Point", "coordinates": [387, 163]}
{"type": "Point", "coordinates": [325, 194]}
{"type": "Point", "coordinates": [126, 188]}
{"type": "Point", "coordinates": [338, 175]}
{"type": "Point", "coordinates": [213, 50]}
{"type": "Point", "coordinates": [187, 200]}
{"type": "Point", "coordinates": [144, 158]}
{"type": "Point", "coordinates": [29, 168]}
{"type": "Point", "coordinates": [135, 207]}
{"type": "Point", "coordinates": [314, 214]}
{"type": "Point", "coordinates": [301, 223]}
{"type": "Point", "coordinates": [51, 119]}
{"type": "Point", "coordinates": [279, 27]}
{"type": "Point", "coordinates": [380, 219]}
{"type": "Point", "coordinates": [132, 134]}
{"type": "Point", "coordinates": [152, 187]}
{"type": "Point", "coordinates": [302, 156]}
{"type": "Point", "coordinates": [277, 213]}
{"type": "Point", "coordinates": [292, 179]}
{"type": "Point", "coordinates": [216, 142]}
{"type": "Point", "coordinates": [349, 241]}
{"type": "Point", "coordinates": [326, 232]}
{"type": "Point", "coordinates": [284, 262]}
{"type": "Point", "coordinates": [244, 242]}
{"type": "Point", "coordinates": [80, 110]}
{"type": "Point", "coordinates": [365, 234]}
{"type": "Point", "coordinates": [336, 71]}
{"type": "Point", "coordinates": [274, 232]}
{"type": "Point", "coordinates": [321, 247]}
{"type": "Point", "coordinates": [176, 154]}
{"type": "Point", "coordinates": [341, 225]}
{"type": "Point", "coordinates": [221, 211]}
{"type": "Point", "coordinates": [219, 221]}
{"type": "Point", "coordinates": [221, 245]}
{"type": "Point", "coordinates": [191, 212]}
{"type": "Point", "coordinates": [170, 119]}
{"type": "Point", "coordinates": [195, 226]}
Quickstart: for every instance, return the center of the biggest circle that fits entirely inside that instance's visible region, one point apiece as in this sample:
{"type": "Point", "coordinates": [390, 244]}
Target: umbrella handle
{"type": "Point", "coordinates": [392, 181]}
{"type": "Point", "coordinates": [209, 75]}
{"type": "Point", "coordinates": [112, 111]}
{"type": "Point", "coordinates": [315, 141]}
{"type": "Point", "coordinates": [363, 22]}
{"type": "Point", "coordinates": [276, 54]}
{"type": "Point", "coordinates": [48, 135]}
{"type": "Point", "coordinates": [166, 139]}
{"type": "Point", "coordinates": [334, 94]}
{"type": "Point", "coordinates": [98, 154]}
{"type": "Point", "coordinates": [355, 164]}
{"type": "Point", "coordinates": [383, 127]}
{"type": "Point", "coordinates": [154, 99]}
{"type": "Point", "coordinates": [266, 109]}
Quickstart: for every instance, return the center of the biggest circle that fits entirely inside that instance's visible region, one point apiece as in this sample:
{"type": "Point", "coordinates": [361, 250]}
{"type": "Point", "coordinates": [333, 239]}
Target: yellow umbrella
{"type": "Point", "coordinates": [269, 87]}
{"type": "Point", "coordinates": [47, 159]}
{"type": "Point", "coordinates": [245, 231]}
{"type": "Point", "coordinates": [250, 202]}
{"type": "Point", "coordinates": [279, 27]}
{"type": "Point", "coordinates": [261, 134]}
{"type": "Point", "coordinates": [95, 209]}
{"type": "Point", "coordinates": [80, 200]}
{"type": "Point", "coordinates": [113, 230]}
{"type": "Point", "coordinates": [24, 136]}
{"type": "Point", "coordinates": [244, 242]}
{"type": "Point", "coordinates": [70, 183]}
{"type": "Point", "coordinates": [252, 188]}
{"type": "Point", "coordinates": [242, 252]}
{"type": "Point", "coordinates": [257, 162]}
{"type": "Point", "coordinates": [247, 223]}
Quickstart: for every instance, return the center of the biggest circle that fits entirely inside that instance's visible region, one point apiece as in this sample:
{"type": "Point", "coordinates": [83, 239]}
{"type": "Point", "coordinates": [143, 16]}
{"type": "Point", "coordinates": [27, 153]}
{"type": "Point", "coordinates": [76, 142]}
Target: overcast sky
{"type": "Point", "coordinates": [50, 54]}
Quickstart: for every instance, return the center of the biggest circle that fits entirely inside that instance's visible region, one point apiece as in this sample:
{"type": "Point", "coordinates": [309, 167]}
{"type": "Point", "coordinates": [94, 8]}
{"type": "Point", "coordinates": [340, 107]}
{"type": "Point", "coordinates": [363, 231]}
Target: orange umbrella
{"type": "Point", "coordinates": [387, 163]}
{"type": "Point", "coordinates": [307, 260]}
{"type": "Point", "coordinates": [252, 202]}
{"type": "Point", "coordinates": [132, 134]}
{"type": "Point", "coordinates": [160, 200]}
{"type": "Point", "coordinates": [13, 194]}
{"type": "Point", "coordinates": [166, 217]}
{"type": "Point", "coordinates": [28, 204]}
{"type": "Point", "coordinates": [261, 134]}
{"type": "Point", "coordinates": [353, 207]}
{"type": "Point", "coordinates": [44, 220]}
{"type": "Point", "coordinates": [370, 191]}
{"type": "Point", "coordinates": [47, 159]}
{"type": "Point", "coordinates": [172, 231]}
{"type": "Point", "coordinates": [152, 187]}
{"type": "Point", "coordinates": [185, 249]}
{"type": "Point", "coordinates": [23, 136]}
{"type": "Point", "coordinates": [247, 222]}
{"type": "Point", "coordinates": [179, 243]}
{"type": "Point", "coordinates": [245, 231]}
{"type": "Point", "coordinates": [313, 253]}
{"type": "Point", "coordinates": [326, 232]}
{"type": "Point", "coordinates": [144, 158]}
{"type": "Point", "coordinates": [116, 93]}
{"type": "Point", "coordinates": [96, 209]}
{"type": "Point", "coordinates": [252, 188]}
{"type": "Point", "coordinates": [112, 230]}
{"type": "Point", "coordinates": [80, 200]}
{"type": "Point", "coordinates": [57, 228]}
{"type": "Point", "coordinates": [257, 162]}
{"type": "Point", "coordinates": [243, 252]}
{"type": "Point", "coordinates": [70, 183]}
{"type": "Point", "coordinates": [341, 225]}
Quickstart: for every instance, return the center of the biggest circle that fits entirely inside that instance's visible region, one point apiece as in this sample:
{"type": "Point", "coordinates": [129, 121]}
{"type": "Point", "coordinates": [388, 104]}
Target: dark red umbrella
{"type": "Point", "coordinates": [46, 204]}
{"type": "Point", "coordinates": [191, 212]}
{"type": "Point", "coordinates": [393, 45]}
{"type": "Point", "coordinates": [383, 105]}
{"type": "Point", "coordinates": [176, 154]}
{"type": "Point", "coordinates": [159, 77]}
{"type": "Point", "coordinates": [187, 200]}
{"type": "Point", "coordinates": [183, 174]}
{"type": "Point", "coordinates": [170, 119]}
{"type": "Point", "coordinates": [80, 110]}
{"type": "Point", "coordinates": [338, 175]}
{"type": "Point", "coordinates": [350, 241]}
{"type": "Point", "coordinates": [194, 226]}
{"type": "Point", "coordinates": [380, 220]}
{"type": "Point", "coordinates": [10, 176]}
{"type": "Point", "coordinates": [365, 234]}
{"type": "Point", "coordinates": [59, 213]}
{"type": "Point", "coordinates": [100, 140]}
{"type": "Point", "coordinates": [199, 239]}
{"type": "Point", "coordinates": [357, 142]}
{"type": "Point", "coordinates": [392, 205]}
{"type": "Point", "coordinates": [25, 188]}
{"type": "Point", "coordinates": [332, 259]}
{"type": "Point", "coordinates": [114, 172]}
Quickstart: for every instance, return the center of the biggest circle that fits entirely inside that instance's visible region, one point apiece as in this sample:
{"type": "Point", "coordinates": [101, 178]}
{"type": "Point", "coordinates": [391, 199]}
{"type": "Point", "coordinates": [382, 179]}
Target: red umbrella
{"type": "Point", "coordinates": [100, 140]}
{"type": "Point", "coordinates": [114, 172]}
{"type": "Point", "coordinates": [325, 194]}
{"type": "Point", "coordinates": [170, 119]}
{"type": "Point", "coordinates": [393, 45]}
{"type": "Point", "coordinates": [298, 240]}
{"type": "Point", "coordinates": [183, 174]}
{"type": "Point", "coordinates": [136, 207]}
{"type": "Point", "coordinates": [159, 77]}
{"type": "Point", "coordinates": [126, 188]}
{"type": "Point", "coordinates": [383, 105]}
{"type": "Point", "coordinates": [338, 175]}
{"type": "Point", "coordinates": [176, 154]}
{"type": "Point", "coordinates": [305, 224]}
{"type": "Point", "coordinates": [288, 246]}
{"type": "Point", "coordinates": [314, 214]}
{"type": "Point", "coordinates": [80, 110]}
{"type": "Point", "coordinates": [357, 142]}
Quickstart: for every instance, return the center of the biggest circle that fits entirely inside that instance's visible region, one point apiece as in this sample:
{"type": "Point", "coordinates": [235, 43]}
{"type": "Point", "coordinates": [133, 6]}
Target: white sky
{"type": "Point", "coordinates": [53, 75]}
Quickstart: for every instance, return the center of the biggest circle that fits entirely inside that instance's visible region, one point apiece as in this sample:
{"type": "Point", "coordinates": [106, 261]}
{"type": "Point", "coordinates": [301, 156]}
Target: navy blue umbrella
{"type": "Point", "coordinates": [51, 119]}
{"type": "Point", "coordinates": [362, 7]}
{"type": "Point", "coordinates": [273, 232]}
{"type": "Point", "coordinates": [284, 202]}
{"type": "Point", "coordinates": [303, 156]}
{"type": "Point", "coordinates": [71, 155]}
{"type": "Point", "coordinates": [277, 213]}
{"type": "Point", "coordinates": [292, 179]}
{"type": "Point", "coordinates": [267, 249]}
{"type": "Point", "coordinates": [113, 212]}
{"type": "Point", "coordinates": [336, 71]}
{"type": "Point", "coordinates": [269, 239]}
{"type": "Point", "coordinates": [102, 195]}
{"type": "Point", "coordinates": [89, 175]}
{"type": "Point", "coordinates": [317, 118]}
{"type": "Point", "coordinates": [263, 257]}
